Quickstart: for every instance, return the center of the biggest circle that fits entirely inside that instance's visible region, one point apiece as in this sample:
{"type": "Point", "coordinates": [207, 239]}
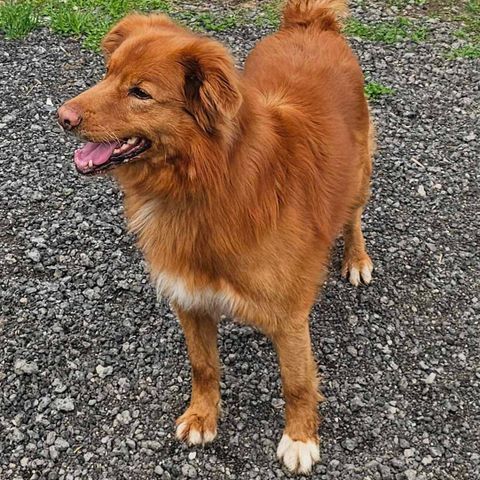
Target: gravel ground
{"type": "Point", "coordinates": [93, 370]}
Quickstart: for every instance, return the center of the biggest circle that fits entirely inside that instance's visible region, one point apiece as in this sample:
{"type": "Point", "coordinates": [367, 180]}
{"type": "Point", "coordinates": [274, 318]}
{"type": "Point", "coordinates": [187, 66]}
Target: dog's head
{"type": "Point", "coordinates": [164, 87]}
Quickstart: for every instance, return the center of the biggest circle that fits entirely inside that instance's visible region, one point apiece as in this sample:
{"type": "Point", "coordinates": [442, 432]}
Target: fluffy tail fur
{"type": "Point", "coordinates": [322, 14]}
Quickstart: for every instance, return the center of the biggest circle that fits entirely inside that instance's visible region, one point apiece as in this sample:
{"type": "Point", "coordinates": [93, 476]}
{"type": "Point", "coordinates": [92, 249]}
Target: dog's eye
{"type": "Point", "coordinates": [139, 93]}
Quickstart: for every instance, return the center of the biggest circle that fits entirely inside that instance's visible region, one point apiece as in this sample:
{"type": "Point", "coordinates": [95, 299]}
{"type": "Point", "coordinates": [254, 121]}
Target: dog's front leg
{"type": "Point", "coordinates": [198, 425]}
{"type": "Point", "coordinates": [298, 448]}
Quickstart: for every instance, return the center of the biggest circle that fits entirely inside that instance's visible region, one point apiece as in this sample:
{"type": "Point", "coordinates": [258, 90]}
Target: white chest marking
{"type": "Point", "coordinates": [197, 299]}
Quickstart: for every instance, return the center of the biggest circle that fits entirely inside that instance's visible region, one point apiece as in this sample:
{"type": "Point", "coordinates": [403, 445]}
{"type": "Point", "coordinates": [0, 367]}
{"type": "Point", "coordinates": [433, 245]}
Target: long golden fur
{"type": "Point", "coordinates": [248, 181]}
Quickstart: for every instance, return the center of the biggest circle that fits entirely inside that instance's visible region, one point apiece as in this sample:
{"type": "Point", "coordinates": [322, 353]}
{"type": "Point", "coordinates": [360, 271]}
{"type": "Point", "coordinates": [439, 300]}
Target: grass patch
{"type": "Point", "coordinates": [206, 21]}
{"type": "Point", "coordinates": [468, 51]}
{"type": "Point", "coordinates": [17, 19]}
{"type": "Point", "coordinates": [388, 32]}
{"type": "Point", "coordinates": [269, 14]}
{"type": "Point", "coordinates": [471, 20]}
{"type": "Point", "coordinates": [93, 18]}
{"type": "Point", "coordinates": [374, 90]}
{"type": "Point", "coordinates": [90, 19]}
{"type": "Point", "coordinates": [212, 23]}
{"type": "Point", "coordinates": [470, 32]}
{"type": "Point", "coordinates": [406, 3]}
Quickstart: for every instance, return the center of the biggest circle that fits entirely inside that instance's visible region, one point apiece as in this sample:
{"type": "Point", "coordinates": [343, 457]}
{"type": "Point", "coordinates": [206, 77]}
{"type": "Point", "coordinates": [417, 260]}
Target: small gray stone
{"type": "Point", "coordinates": [44, 403]}
{"type": "Point", "coordinates": [89, 293]}
{"type": "Point", "coordinates": [353, 320]}
{"type": "Point", "coordinates": [403, 443]}
{"type": "Point", "coordinates": [427, 460]}
{"type": "Point", "coordinates": [436, 451]}
{"type": "Point", "coordinates": [87, 456]}
{"type": "Point", "coordinates": [350, 444]}
{"type": "Point", "coordinates": [34, 255]}
{"type": "Point", "coordinates": [59, 387]}
{"type": "Point", "coordinates": [409, 452]}
{"type": "Point", "coordinates": [385, 471]}
{"type": "Point", "coordinates": [352, 350]}
{"type": "Point", "coordinates": [103, 372]}
{"type": "Point", "coordinates": [410, 474]}
{"type": "Point", "coordinates": [152, 445]}
{"type": "Point", "coordinates": [430, 379]}
{"type": "Point", "coordinates": [64, 404]}
{"type": "Point", "coordinates": [17, 436]}
{"type": "Point", "coordinates": [8, 118]}
{"type": "Point", "coordinates": [50, 440]}
{"type": "Point", "coordinates": [53, 452]}
{"type": "Point", "coordinates": [22, 367]}
{"type": "Point", "coordinates": [124, 417]}
{"type": "Point", "coordinates": [189, 471]}
{"type": "Point", "coordinates": [61, 444]}
{"type": "Point", "coordinates": [397, 462]}
{"type": "Point", "coordinates": [470, 137]}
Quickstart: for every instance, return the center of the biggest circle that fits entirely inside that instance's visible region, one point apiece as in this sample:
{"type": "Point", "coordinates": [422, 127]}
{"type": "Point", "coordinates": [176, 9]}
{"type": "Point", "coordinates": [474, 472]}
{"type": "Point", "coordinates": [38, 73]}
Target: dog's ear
{"type": "Point", "coordinates": [211, 84]}
{"type": "Point", "coordinates": [131, 25]}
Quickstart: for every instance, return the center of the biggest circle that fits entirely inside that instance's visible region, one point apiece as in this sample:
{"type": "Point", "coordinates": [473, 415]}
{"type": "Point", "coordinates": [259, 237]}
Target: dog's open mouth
{"type": "Point", "coordinates": [99, 157]}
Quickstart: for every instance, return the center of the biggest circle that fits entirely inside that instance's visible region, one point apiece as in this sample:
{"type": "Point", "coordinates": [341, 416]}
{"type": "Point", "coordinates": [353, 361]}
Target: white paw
{"type": "Point", "coordinates": [360, 272]}
{"type": "Point", "coordinates": [194, 436]}
{"type": "Point", "coordinates": [298, 457]}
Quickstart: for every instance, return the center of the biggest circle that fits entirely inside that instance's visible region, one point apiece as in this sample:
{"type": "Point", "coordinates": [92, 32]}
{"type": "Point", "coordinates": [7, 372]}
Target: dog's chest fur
{"type": "Point", "coordinates": [185, 291]}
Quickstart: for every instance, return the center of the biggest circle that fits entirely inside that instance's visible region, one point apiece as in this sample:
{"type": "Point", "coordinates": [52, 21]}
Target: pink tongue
{"type": "Point", "coordinates": [95, 153]}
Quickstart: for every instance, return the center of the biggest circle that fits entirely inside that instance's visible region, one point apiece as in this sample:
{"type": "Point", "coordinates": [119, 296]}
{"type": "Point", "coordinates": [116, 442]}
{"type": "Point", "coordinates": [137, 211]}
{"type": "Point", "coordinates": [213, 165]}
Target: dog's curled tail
{"type": "Point", "coordinates": [321, 14]}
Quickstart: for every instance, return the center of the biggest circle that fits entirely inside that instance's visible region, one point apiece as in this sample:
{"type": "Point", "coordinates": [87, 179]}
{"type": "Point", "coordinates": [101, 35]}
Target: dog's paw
{"type": "Point", "coordinates": [196, 429]}
{"type": "Point", "coordinates": [298, 457]}
{"type": "Point", "coordinates": [358, 270]}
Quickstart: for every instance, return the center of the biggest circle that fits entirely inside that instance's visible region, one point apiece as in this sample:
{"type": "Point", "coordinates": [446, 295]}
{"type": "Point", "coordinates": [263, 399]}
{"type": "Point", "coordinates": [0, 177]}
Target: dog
{"type": "Point", "coordinates": [237, 184]}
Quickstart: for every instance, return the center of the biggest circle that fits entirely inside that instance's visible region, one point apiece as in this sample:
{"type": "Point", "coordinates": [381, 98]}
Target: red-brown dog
{"type": "Point", "coordinates": [237, 184]}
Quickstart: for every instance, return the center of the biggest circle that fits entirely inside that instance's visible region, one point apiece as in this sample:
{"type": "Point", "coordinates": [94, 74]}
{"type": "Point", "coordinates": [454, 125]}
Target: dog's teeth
{"type": "Point", "coordinates": [117, 150]}
{"type": "Point", "coordinates": [132, 140]}
{"type": "Point", "coordinates": [90, 164]}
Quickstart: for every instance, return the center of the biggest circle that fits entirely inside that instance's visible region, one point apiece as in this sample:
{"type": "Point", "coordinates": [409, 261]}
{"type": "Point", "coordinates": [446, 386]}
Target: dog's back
{"type": "Point", "coordinates": [311, 81]}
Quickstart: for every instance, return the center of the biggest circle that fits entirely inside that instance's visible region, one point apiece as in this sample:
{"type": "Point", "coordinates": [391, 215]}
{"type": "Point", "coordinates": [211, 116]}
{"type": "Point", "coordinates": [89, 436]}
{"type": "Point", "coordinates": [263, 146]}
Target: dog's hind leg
{"type": "Point", "coordinates": [357, 265]}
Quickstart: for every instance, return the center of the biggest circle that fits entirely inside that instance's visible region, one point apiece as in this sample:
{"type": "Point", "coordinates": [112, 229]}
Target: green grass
{"type": "Point", "coordinates": [406, 3]}
{"type": "Point", "coordinates": [269, 14]}
{"type": "Point", "coordinates": [212, 23]}
{"type": "Point", "coordinates": [468, 51]}
{"type": "Point", "coordinates": [17, 19]}
{"type": "Point", "coordinates": [388, 32]}
{"type": "Point", "coordinates": [206, 21]}
{"type": "Point", "coordinates": [90, 19]}
{"type": "Point", "coordinates": [470, 32]}
{"type": "Point", "coordinates": [374, 90]}
{"type": "Point", "coordinates": [472, 16]}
